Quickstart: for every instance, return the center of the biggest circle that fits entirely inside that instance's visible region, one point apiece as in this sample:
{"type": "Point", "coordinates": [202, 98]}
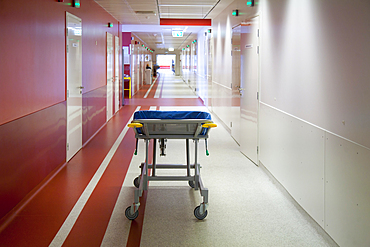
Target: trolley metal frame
{"type": "Point", "coordinates": [162, 129]}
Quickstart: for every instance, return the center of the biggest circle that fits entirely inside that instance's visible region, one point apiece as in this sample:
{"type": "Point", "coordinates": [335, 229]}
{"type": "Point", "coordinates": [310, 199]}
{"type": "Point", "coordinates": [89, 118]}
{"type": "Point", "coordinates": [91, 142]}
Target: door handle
{"type": "Point", "coordinates": [80, 87]}
{"type": "Point", "coordinates": [240, 91]}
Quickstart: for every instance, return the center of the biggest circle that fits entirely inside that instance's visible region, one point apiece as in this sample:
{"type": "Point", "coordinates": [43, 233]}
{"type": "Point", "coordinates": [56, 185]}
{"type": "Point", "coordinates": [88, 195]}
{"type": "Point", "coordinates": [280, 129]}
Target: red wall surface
{"type": "Point", "coordinates": [32, 57]}
{"type": "Point", "coordinates": [94, 112]}
{"type": "Point", "coordinates": [32, 46]}
{"type": "Point", "coordinates": [30, 148]}
{"type": "Point", "coordinates": [126, 38]}
{"type": "Point", "coordinates": [33, 88]}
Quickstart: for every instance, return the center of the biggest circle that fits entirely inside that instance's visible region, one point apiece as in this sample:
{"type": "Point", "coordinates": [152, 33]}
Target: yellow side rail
{"type": "Point", "coordinates": [129, 86]}
{"type": "Point", "coordinates": [209, 125]}
{"type": "Point", "coordinates": [134, 125]}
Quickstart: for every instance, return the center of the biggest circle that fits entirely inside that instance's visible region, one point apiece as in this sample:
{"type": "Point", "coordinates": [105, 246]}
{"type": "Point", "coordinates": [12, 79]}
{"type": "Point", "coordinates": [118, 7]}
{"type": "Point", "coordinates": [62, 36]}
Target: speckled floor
{"type": "Point", "coordinates": [246, 208]}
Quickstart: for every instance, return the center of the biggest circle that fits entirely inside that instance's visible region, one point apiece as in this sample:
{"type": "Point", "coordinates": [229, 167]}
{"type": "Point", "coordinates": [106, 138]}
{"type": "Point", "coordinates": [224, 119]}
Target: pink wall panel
{"type": "Point", "coordinates": [32, 66]}
{"type": "Point", "coordinates": [32, 57]}
{"type": "Point", "coordinates": [30, 148]}
{"type": "Point", "coordinates": [93, 112]}
{"type": "Point", "coordinates": [126, 38]}
{"type": "Point", "coordinates": [32, 88]}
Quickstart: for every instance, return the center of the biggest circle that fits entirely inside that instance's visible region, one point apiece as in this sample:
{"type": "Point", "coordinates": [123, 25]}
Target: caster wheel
{"type": "Point", "coordinates": [129, 215]}
{"type": "Point", "coordinates": [191, 184]}
{"type": "Point", "coordinates": [198, 215]}
{"type": "Point", "coordinates": [137, 182]}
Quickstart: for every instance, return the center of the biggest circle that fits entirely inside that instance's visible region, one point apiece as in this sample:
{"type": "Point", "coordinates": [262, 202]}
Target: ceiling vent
{"type": "Point", "coordinates": [144, 12]}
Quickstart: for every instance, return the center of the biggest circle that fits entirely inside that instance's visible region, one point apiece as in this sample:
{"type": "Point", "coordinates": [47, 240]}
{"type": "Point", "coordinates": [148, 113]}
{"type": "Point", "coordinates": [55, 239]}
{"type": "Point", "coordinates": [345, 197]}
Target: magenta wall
{"type": "Point", "coordinates": [30, 148]}
{"type": "Point", "coordinates": [93, 112]}
{"type": "Point", "coordinates": [32, 71]}
{"type": "Point", "coordinates": [126, 38]}
{"type": "Point", "coordinates": [33, 88]}
{"type": "Point", "coordinates": [32, 57]}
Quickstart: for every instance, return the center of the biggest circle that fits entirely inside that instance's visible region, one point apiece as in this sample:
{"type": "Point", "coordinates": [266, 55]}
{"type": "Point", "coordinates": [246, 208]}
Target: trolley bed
{"type": "Point", "coordinates": [163, 125]}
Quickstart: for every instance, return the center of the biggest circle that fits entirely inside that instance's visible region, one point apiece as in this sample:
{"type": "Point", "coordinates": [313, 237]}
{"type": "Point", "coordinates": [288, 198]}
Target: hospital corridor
{"type": "Point", "coordinates": [185, 123]}
{"type": "Point", "coordinates": [84, 204]}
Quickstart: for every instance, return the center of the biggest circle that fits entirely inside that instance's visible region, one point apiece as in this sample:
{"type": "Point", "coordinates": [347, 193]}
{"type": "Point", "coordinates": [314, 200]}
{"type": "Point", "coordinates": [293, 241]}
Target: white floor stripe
{"type": "Point", "coordinates": [159, 88]}
{"type": "Point", "coordinates": [157, 93]}
{"type": "Point", "coordinates": [147, 93]}
{"type": "Point", "coordinates": [66, 228]}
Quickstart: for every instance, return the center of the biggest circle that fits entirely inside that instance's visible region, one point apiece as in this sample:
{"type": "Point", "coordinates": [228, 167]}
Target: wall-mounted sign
{"type": "Point", "coordinates": [177, 33]}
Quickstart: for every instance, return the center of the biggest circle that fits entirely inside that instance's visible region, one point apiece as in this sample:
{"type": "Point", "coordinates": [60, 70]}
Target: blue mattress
{"type": "Point", "coordinates": [172, 115]}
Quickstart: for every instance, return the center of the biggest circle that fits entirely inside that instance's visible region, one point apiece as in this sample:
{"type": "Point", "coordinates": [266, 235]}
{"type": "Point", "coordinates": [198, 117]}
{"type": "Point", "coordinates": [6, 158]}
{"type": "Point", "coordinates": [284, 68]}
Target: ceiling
{"type": "Point", "coordinates": [142, 17]}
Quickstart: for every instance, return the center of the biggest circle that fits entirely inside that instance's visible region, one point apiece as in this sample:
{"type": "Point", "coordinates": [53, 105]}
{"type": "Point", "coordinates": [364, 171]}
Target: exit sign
{"type": "Point", "coordinates": [177, 34]}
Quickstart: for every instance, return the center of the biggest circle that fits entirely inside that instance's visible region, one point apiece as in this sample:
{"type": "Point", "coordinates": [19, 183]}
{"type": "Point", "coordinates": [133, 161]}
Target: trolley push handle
{"type": "Point", "coordinates": [205, 141]}
{"type": "Point", "coordinates": [135, 125]}
{"type": "Point", "coordinates": [208, 126]}
{"type": "Point", "coordinates": [137, 140]}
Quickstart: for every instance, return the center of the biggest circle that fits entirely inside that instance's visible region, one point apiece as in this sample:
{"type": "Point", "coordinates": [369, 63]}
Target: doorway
{"type": "Point", "coordinates": [235, 80]}
{"type": "Point", "coordinates": [116, 74]}
{"type": "Point", "coordinates": [210, 69]}
{"type": "Point", "coordinates": [74, 84]}
{"type": "Point", "coordinates": [249, 85]}
{"type": "Point", "coordinates": [166, 61]}
{"type": "Point", "coordinates": [110, 78]}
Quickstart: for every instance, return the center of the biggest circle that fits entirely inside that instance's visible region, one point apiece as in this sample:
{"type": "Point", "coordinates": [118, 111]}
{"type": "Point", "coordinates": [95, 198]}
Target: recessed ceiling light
{"type": "Point", "coordinates": [185, 5]}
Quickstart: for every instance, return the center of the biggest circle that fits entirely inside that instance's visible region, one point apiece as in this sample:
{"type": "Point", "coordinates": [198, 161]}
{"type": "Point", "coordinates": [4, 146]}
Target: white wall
{"type": "Point", "coordinates": [317, 56]}
{"type": "Point", "coordinates": [314, 124]}
{"type": "Point", "coordinates": [201, 77]}
{"type": "Point", "coordinates": [222, 67]}
{"type": "Point", "coordinates": [314, 121]}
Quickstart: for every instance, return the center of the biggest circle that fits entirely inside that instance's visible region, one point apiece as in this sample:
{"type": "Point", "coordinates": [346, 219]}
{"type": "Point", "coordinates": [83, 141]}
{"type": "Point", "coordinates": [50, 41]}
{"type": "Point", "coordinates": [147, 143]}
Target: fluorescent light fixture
{"type": "Point", "coordinates": [185, 5]}
{"type": "Point", "coordinates": [180, 14]}
{"type": "Point", "coordinates": [171, 49]}
{"type": "Point", "coordinates": [177, 33]}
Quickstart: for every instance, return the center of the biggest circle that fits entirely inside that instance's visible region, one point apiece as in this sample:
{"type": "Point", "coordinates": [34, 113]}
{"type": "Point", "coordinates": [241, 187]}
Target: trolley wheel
{"type": "Point", "coordinates": [129, 215]}
{"type": "Point", "coordinates": [191, 184]}
{"type": "Point", "coordinates": [198, 215]}
{"type": "Point", "coordinates": [137, 182]}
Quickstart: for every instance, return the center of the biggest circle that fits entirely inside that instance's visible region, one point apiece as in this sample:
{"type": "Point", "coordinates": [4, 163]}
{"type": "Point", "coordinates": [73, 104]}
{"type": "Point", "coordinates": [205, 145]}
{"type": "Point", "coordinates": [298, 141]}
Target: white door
{"type": "Point", "coordinates": [235, 80]}
{"type": "Point", "coordinates": [109, 75]}
{"type": "Point", "coordinates": [116, 74]}
{"type": "Point", "coordinates": [141, 74]}
{"type": "Point", "coordinates": [74, 84]}
{"type": "Point", "coordinates": [133, 70]}
{"type": "Point", "coordinates": [210, 70]}
{"type": "Point", "coordinates": [249, 89]}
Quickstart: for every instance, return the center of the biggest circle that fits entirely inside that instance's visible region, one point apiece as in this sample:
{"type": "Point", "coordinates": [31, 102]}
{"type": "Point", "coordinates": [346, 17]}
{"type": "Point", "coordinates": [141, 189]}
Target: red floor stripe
{"type": "Point", "coordinates": [40, 220]}
{"type": "Point", "coordinates": [99, 207]}
{"type": "Point", "coordinates": [154, 88]}
{"type": "Point", "coordinates": [144, 89]}
{"type": "Point", "coordinates": [136, 228]}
